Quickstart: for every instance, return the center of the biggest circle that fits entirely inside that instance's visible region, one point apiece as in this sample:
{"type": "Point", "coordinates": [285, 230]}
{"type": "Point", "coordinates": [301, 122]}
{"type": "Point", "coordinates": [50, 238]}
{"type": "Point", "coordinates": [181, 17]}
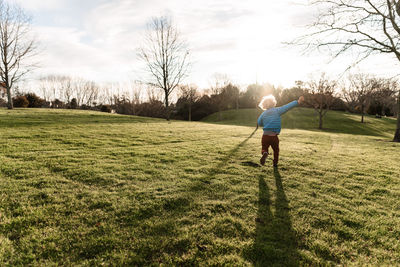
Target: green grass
{"type": "Point", "coordinates": [306, 119]}
{"type": "Point", "coordinates": [86, 188]}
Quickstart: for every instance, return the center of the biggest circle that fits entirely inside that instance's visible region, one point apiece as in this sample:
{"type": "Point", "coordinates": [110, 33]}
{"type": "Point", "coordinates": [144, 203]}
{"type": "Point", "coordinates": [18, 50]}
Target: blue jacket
{"type": "Point", "coordinates": [270, 119]}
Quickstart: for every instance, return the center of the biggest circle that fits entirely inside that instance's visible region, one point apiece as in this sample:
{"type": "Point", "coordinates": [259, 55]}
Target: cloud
{"type": "Point", "coordinates": [42, 4]}
{"type": "Point", "coordinates": [98, 39]}
{"type": "Point", "coordinates": [64, 52]}
{"type": "Point", "coordinates": [224, 36]}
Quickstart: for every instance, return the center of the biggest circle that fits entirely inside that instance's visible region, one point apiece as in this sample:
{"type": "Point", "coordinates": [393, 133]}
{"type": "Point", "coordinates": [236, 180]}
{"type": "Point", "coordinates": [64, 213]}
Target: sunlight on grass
{"type": "Point", "coordinates": [306, 119]}
{"type": "Point", "coordinates": [86, 188]}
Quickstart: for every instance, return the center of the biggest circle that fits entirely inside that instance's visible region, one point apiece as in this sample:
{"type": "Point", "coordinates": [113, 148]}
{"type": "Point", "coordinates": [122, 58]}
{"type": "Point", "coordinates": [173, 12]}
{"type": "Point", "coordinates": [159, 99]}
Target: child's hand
{"type": "Point", "coordinates": [301, 99]}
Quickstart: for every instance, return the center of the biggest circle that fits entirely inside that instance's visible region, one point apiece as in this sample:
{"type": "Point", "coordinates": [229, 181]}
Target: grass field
{"type": "Point", "coordinates": [306, 119]}
{"type": "Point", "coordinates": [86, 188]}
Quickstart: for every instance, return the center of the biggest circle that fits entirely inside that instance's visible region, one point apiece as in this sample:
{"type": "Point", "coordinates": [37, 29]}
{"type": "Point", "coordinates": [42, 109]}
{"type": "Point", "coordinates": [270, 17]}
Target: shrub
{"type": "Point", "coordinates": [35, 101]}
{"type": "Point", "coordinates": [20, 101]}
{"type": "Point", "coordinates": [3, 103]}
{"type": "Point", "coordinates": [85, 107]}
{"type": "Point", "coordinates": [124, 106]}
{"type": "Point", "coordinates": [105, 108]}
{"type": "Point", "coordinates": [73, 104]}
{"type": "Point", "coordinates": [203, 107]}
{"type": "Point", "coordinates": [154, 108]}
{"type": "Point", "coordinates": [57, 104]}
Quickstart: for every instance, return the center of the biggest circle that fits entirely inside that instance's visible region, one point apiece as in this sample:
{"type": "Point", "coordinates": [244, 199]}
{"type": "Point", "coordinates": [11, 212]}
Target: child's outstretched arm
{"type": "Point", "coordinates": [287, 107]}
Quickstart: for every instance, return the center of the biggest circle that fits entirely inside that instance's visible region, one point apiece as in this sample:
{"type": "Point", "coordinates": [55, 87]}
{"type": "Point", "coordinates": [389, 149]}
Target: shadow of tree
{"type": "Point", "coordinates": [275, 242]}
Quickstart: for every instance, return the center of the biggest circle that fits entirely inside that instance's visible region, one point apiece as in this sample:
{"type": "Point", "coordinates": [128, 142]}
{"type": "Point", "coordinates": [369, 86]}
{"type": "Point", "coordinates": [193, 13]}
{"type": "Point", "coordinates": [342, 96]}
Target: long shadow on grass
{"type": "Point", "coordinates": [275, 242]}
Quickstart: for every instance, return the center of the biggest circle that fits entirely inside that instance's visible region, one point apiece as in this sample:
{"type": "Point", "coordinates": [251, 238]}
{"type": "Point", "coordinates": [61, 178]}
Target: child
{"type": "Point", "coordinates": [270, 120]}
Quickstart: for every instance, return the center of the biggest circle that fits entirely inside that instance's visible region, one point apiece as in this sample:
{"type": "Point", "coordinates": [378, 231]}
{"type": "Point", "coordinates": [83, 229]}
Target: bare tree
{"type": "Point", "coordinates": [359, 92]}
{"type": "Point", "coordinates": [218, 81]}
{"type": "Point", "coordinates": [45, 88]}
{"type": "Point", "coordinates": [365, 27]}
{"type": "Point", "coordinates": [91, 93]}
{"type": "Point", "coordinates": [320, 96]}
{"type": "Point", "coordinates": [385, 94]}
{"type": "Point", "coordinates": [66, 90]}
{"type": "Point", "coordinates": [190, 94]}
{"type": "Point", "coordinates": [16, 46]}
{"type": "Point", "coordinates": [55, 87]}
{"type": "Point", "coordinates": [217, 84]}
{"type": "Point", "coordinates": [137, 92]}
{"type": "Point", "coordinates": [397, 134]}
{"type": "Point", "coordinates": [166, 57]}
{"type": "Point", "coordinates": [350, 98]}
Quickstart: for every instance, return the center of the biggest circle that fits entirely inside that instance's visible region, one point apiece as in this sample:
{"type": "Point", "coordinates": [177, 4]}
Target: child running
{"type": "Point", "coordinates": [270, 120]}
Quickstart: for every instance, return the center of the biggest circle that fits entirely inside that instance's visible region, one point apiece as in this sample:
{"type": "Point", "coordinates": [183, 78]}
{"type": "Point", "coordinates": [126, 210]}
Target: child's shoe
{"type": "Point", "coordinates": [263, 158]}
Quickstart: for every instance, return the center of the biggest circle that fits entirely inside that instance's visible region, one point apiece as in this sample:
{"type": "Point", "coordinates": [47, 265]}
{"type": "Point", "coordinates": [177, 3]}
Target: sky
{"type": "Point", "coordinates": [98, 40]}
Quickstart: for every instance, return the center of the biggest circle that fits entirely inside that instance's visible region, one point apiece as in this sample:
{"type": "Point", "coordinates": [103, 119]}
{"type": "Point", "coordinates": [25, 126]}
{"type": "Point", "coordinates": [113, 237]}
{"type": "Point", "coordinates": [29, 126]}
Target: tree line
{"type": "Point", "coordinates": [358, 93]}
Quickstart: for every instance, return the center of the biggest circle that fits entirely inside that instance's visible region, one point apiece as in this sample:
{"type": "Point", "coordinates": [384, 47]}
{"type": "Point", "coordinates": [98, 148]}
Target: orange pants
{"type": "Point", "coordinates": [272, 141]}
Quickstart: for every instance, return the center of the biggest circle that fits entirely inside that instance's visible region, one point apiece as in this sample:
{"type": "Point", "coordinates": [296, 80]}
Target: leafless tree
{"type": "Point", "coordinates": [65, 88]}
{"type": "Point", "coordinates": [153, 94]}
{"type": "Point", "coordinates": [91, 90]}
{"type": "Point", "coordinates": [385, 94]}
{"type": "Point", "coordinates": [45, 87]}
{"type": "Point", "coordinates": [218, 81]}
{"type": "Point", "coordinates": [360, 92]}
{"type": "Point", "coordinates": [137, 91]}
{"type": "Point", "coordinates": [320, 96]}
{"type": "Point", "coordinates": [165, 55]}
{"type": "Point", "coordinates": [16, 46]}
{"type": "Point", "coordinates": [55, 87]}
{"type": "Point", "coordinates": [217, 84]}
{"type": "Point", "coordinates": [350, 98]}
{"type": "Point", "coordinates": [364, 27]}
{"type": "Point", "coordinates": [190, 94]}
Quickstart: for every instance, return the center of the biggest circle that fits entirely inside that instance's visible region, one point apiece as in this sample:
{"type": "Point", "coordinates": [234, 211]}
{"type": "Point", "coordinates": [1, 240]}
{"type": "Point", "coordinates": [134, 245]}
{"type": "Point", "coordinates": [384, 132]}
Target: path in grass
{"type": "Point", "coordinates": [89, 188]}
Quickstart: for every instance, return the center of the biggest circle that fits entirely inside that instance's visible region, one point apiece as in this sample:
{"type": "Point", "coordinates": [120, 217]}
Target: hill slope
{"type": "Point", "coordinates": [86, 188]}
{"type": "Point", "coordinates": [306, 119]}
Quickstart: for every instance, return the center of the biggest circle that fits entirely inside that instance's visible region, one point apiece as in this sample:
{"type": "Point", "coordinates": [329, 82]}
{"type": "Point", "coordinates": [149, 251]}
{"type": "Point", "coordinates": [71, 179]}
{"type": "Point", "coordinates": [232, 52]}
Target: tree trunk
{"type": "Point", "coordinates": [320, 121]}
{"type": "Point", "coordinates": [237, 103]}
{"type": "Point", "coordinates": [167, 106]}
{"type": "Point", "coordinates": [362, 114]}
{"type": "Point", "coordinates": [9, 96]}
{"type": "Point", "coordinates": [397, 134]}
{"type": "Point", "coordinates": [190, 112]}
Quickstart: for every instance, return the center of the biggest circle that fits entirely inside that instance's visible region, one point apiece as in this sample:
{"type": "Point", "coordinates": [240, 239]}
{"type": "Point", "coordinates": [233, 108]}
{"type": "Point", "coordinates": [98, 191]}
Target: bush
{"type": "Point", "coordinates": [57, 104]}
{"type": "Point", "coordinates": [20, 101]}
{"type": "Point", "coordinates": [73, 104]}
{"type": "Point", "coordinates": [105, 108]}
{"type": "Point", "coordinates": [85, 107]}
{"type": "Point", "coordinates": [203, 107]}
{"type": "Point", "coordinates": [35, 101]}
{"type": "Point", "coordinates": [124, 106]}
{"type": "Point", "coordinates": [154, 108]}
{"type": "Point", "coordinates": [3, 103]}
{"type": "Point", "coordinates": [339, 104]}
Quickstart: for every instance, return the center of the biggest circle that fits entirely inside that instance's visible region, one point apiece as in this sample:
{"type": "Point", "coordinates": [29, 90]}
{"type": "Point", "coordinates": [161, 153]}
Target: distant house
{"type": "Point", "coordinates": [3, 90]}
